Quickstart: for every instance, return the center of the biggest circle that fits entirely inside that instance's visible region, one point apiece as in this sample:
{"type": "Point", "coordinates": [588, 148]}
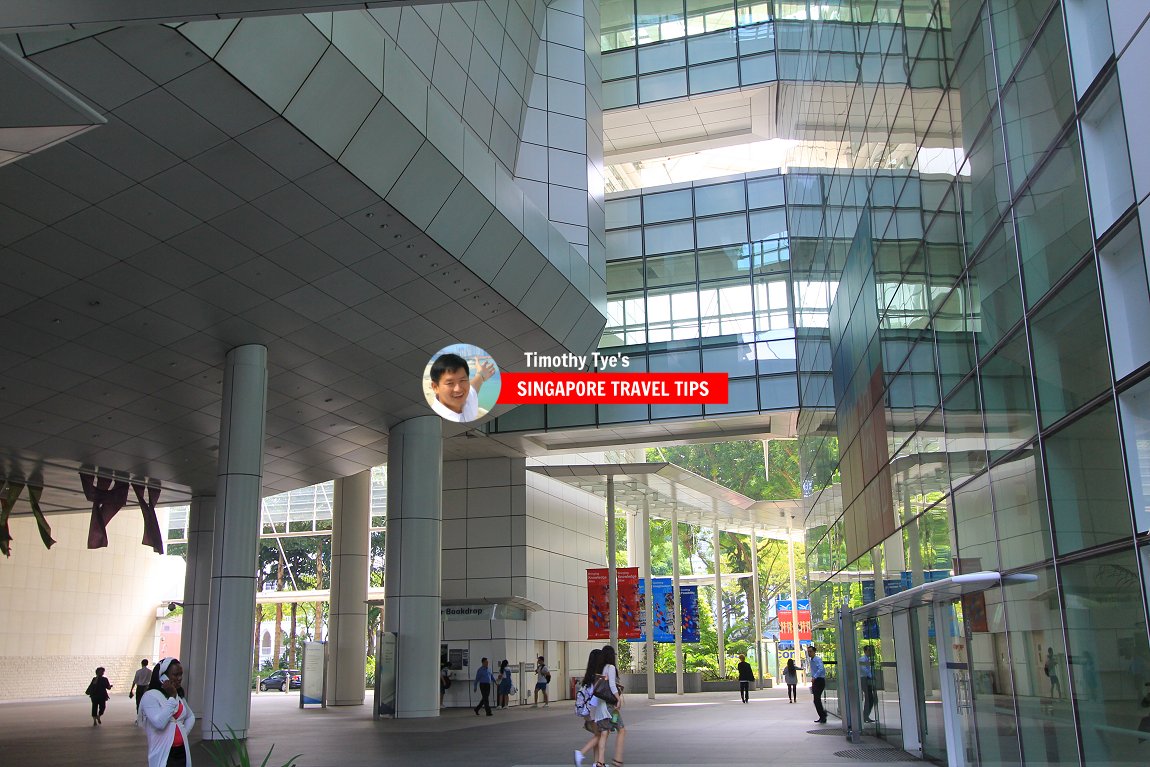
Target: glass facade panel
{"type": "Point", "coordinates": [666, 206]}
{"type": "Point", "coordinates": [1107, 655]}
{"type": "Point", "coordinates": [1070, 360]}
{"type": "Point", "coordinates": [1020, 510]}
{"type": "Point", "coordinates": [675, 269]}
{"type": "Point", "coordinates": [1053, 222]}
{"type": "Point", "coordinates": [1008, 397]}
{"type": "Point", "coordinates": [721, 230]}
{"type": "Point", "coordinates": [994, 280]}
{"type": "Point", "coordinates": [1038, 103]}
{"type": "Point", "coordinates": [1134, 404]}
{"type": "Point", "coordinates": [667, 85]}
{"type": "Point", "coordinates": [1088, 482]}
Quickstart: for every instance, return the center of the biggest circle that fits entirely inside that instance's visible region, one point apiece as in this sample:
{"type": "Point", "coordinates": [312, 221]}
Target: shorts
{"type": "Point", "coordinates": [612, 724]}
{"type": "Point", "coordinates": [540, 685]}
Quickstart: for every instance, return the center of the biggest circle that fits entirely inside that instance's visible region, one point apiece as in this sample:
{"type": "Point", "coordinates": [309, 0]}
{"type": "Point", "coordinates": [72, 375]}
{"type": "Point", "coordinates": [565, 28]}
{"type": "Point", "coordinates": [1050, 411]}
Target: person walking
{"type": "Point", "coordinates": [504, 691]}
{"type": "Point", "coordinates": [791, 677]}
{"type": "Point", "coordinates": [818, 682]}
{"type": "Point", "coordinates": [483, 680]}
{"type": "Point", "coordinates": [1050, 668]}
{"type": "Point", "coordinates": [98, 692]}
{"type": "Point", "coordinates": [866, 682]}
{"type": "Point", "coordinates": [140, 683]}
{"type": "Point", "coordinates": [746, 676]}
{"type": "Point", "coordinates": [542, 679]}
{"type": "Point", "coordinates": [585, 705]}
{"type": "Point", "coordinates": [607, 716]}
{"type": "Point", "coordinates": [444, 680]}
{"type": "Point", "coordinates": [167, 717]}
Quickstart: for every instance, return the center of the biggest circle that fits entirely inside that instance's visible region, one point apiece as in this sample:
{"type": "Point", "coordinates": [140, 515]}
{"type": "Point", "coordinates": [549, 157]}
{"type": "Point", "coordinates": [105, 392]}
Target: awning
{"type": "Point", "coordinates": [697, 500]}
{"type": "Point", "coordinates": [946, 590]}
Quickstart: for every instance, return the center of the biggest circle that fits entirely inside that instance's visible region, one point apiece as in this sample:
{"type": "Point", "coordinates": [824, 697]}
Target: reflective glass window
{"type": "Point", "coordinates": [1008, 397]}
{"type": "Point", "coordinates": [1087, 482]}
{"type": "Point", "coordinates": [1039, 101]}
{"type": "Point", "coordinates": [619, 64]}
{"type": "Point", "coordinates": [1107, 654]}
{"type": "Point", "coordinates": [994, 282]}
{"type": "Point", "coordinates": [625, 275]}
{"type": "Point", "coordinates": [974, 525]}
{"type": "Point", "coordinates": [667, 85]}
{"type": "Point", "coordinates": [711, 47]}
{"type": "Point", "coordinates": [766, 192]}
{"type": "Point", "coordinates": [720, 198]}
{"type": "Point", "coordinates": [1020, 510]}
{"type": "Point", "coordinates": [720, 263]}
{"type": "Point", "coordinates": [623, 211]}
{"type": "Point", "coordinates": [670, 270]}
{"type": "Point", "coordinates": [1053, 223]}
{"type": "Point", "coordinates": [1134, 404]}
{"type": "Point", "coordinates": [653, 58]}
{"type": "Point", "coordinates": [721, 75]}
{"type": "Point", "coordinates": [659, 20]}
{"type": "Point", "coordinates": [721, 230]}
{"type": "Point", "coordinates": [666, 206]}
{"type": "Point", "coordinates": [1070, 360]}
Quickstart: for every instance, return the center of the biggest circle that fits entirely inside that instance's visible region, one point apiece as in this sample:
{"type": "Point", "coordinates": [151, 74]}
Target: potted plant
{"type": "Point", "coordinates": [232, 751]}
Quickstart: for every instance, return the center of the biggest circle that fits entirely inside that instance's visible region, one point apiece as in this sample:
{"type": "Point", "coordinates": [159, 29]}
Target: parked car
{"type": "Point", "coordinates": [277, 679]}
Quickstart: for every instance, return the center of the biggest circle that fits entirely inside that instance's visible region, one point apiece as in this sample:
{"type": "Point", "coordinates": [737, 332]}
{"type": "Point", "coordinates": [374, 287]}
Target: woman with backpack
{"type": "Point", "coordinates": [607, 716]}
{"type": "Point", "coordinates": [585, 704]}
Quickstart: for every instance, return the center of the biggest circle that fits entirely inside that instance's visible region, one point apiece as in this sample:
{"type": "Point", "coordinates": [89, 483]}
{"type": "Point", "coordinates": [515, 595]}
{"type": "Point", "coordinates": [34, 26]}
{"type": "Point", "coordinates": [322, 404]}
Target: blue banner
{"type": "Point", "coordinates": [663, 609]}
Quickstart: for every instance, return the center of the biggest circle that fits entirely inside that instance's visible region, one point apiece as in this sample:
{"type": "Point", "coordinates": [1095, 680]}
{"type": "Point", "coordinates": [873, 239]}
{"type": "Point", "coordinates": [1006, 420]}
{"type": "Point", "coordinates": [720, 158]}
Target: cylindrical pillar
{"type": "Point", "coordinates": [612, 583]}
{"type": "Point", "coordinates": [757, 622]}
{"type": "Point", "coordinates": [231, 609]}
{"type": "Point", "coordinates": [347, 619]}
{"type": "Point", "coordinates": [678, 621]}
{"type": "Point", "coordinates": [197, 588]}
{"type": "Point", "coordinates": [720, 629]}
{"type": "Point", "coordinates": [649, 601]}
{"type": "Point", "coordinates": [414, 561]}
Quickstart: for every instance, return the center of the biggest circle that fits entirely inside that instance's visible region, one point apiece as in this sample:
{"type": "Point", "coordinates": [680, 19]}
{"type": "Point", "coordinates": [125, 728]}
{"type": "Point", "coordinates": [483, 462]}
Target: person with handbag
{"type": "Point", "coordinates": [608, 701]}
{"type": "Point", "coordinates": [585, 705]}
{"type": "Point", "coordinates": [98, 692]}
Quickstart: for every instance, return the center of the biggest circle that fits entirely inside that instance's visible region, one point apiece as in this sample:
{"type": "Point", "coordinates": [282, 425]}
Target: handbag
{"type": "Point", "coordinates": [603, 691]}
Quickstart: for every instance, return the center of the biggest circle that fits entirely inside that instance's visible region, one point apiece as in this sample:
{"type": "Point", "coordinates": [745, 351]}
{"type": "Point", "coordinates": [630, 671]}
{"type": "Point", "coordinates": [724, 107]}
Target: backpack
{"type": "Point", "coordinates": [583, 701]}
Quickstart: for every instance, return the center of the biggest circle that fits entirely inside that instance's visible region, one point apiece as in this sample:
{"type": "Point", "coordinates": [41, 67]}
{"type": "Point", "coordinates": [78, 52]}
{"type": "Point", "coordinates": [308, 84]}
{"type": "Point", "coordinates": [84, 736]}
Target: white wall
{"type": "Point", "coordinates": [68, 610]}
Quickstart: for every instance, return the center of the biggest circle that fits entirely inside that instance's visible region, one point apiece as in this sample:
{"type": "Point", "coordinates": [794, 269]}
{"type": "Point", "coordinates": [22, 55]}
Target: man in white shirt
{"type": "Point", "coordinates": [456, 391]}
{"type": "Point", "coordinates": [140, 682]}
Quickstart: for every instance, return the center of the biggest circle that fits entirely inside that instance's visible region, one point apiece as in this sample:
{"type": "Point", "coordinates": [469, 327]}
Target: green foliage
{"type": "Point", "coordinates": [232, 751]}
{"type": "Point", "coordinates": [369, 673]}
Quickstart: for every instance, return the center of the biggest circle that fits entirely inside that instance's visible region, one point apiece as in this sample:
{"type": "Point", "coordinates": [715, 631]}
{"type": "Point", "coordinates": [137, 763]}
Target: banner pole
{"type": "Point", "coordinates": [612, 583]}
{"type": "Point", "coordinates": [649, 600]}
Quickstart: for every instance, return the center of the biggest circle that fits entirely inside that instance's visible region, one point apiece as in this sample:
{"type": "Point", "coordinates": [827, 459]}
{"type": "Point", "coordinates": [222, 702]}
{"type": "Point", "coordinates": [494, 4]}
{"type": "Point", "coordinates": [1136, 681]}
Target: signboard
{"type": "Point", "coordinates": [314, 667]}
{"type": "Point", "coordinates": [663, 610]}
{"type": "Point", "coordinates": [599, 606]}
{"type": "Point", "coordinates": [786, 623]}
{"type": "Point", "coordinates": [480, 612]}
{"type": "Point", "coordinates": [385, 674]}
{"type": "Point", "coordinates": [457, 658]}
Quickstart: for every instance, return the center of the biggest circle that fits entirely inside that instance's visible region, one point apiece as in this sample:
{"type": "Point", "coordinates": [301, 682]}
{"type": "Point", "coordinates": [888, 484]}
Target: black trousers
{"type": "Point", "coordinates": [140, 690]}
{"type": "Point", "coordinates": [817, 686]}
{"type": "Point", "coordinates": [484, 702]}
{"type": "Point", "coordinates": [176, 757]}
{"type": "Point", "coordinates": [99, 706]}
{"type": "Point", "coordinates": [744, 690]}
{"type": "Point", "coordinates": [870, 698]}
{"type": "Point", "coordinates": [792, 692]}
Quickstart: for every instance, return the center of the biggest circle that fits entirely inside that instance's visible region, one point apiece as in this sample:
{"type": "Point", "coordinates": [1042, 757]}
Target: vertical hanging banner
{"type": "Point", "coordinates": [689, 600]}
{"type": "Point", "coordinates": [663, 609]}
{"type": "Point", "coordinates": [627, 579]}
{"type": "Point", "coordinates": [598, 607]}
{"type": "Point", "coordinates": [786, 632]}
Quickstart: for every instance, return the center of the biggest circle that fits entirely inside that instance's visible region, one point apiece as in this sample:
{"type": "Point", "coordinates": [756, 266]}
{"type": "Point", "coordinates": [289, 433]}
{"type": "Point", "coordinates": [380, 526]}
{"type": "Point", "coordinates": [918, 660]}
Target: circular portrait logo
{"type": "Point", "coordinates": [461, 383]}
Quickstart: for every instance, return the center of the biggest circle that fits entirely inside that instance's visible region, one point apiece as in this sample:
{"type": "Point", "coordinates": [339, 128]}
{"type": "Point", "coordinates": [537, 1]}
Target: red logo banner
{"type": "Point", "coordinates": [614, 388]}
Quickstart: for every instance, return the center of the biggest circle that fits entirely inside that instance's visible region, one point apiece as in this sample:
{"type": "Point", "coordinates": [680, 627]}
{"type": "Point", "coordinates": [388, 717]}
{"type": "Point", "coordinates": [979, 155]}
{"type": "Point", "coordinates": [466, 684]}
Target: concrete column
{"type": "Point", "coordinates": [649, 602]}
{"type": "Point", "coordinates": [347, 619]}
{"type": "Point", "coordinates": [197, 587]}
{"type": "Point", "coordinates": [414, 562]}
{"type": "Point", "coordinates": [720, 629]}
{"type": "Point", "coordinates": [612, 583]}
{"type": "Point", "coordinates": [757, 621]}
{"type": "Point", "coordinates": [231, 609]}
{"type": "Point", "coordinates": [678, 622]}
{"type": "Point", "coordinates": [633, 546]}
{"type": "Point", "coordinates": [794, 593]}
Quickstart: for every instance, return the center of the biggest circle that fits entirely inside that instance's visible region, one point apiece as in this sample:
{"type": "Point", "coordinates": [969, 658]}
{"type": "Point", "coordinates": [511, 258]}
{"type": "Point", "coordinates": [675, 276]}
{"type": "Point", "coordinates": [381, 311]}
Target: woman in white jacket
{"type": "Point", "coordinates": [167, 717]}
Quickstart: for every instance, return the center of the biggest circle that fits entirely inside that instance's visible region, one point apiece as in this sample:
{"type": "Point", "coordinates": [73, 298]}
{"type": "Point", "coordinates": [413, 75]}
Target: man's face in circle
{"type": "Point", "coordinates": [452, 388]}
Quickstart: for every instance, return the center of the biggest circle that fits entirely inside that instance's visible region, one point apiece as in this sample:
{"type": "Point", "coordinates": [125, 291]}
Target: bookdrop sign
{"type": "Point", "coordinates": [573, 386]}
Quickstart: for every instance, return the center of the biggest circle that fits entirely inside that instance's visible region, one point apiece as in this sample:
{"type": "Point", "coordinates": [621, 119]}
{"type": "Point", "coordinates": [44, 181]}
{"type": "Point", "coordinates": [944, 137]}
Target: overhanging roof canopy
{"type": "Point", "coordinates": [667, 487]}
{"type": "Point", "coordinates": [945, 590]}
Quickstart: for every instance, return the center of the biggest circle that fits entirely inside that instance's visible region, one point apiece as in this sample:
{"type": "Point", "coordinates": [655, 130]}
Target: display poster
{"type": "Point", "coordinates": [663, 609]}
{"type": "Point", "coordinates": [786, 623]}
{"type": "Point", "coordinates": [311, 688]}
{"type": "Point", "coordinates": [385, 674]}
{"type": "Point", "coordinates": [597, 604]}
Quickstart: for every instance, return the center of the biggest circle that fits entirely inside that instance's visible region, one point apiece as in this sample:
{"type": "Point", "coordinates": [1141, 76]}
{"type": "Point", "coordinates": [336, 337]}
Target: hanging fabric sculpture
{"type": "Point", "coordinates": [9, 494]}
{"type": "Point", "coordinates": [152, 535]}
{"type": "Point", "coordinates": [108, 497]}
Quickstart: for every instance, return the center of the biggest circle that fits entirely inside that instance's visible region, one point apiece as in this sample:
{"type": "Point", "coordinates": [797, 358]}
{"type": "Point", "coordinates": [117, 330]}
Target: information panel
{"type": "Point", "coordinates": [311, 689]}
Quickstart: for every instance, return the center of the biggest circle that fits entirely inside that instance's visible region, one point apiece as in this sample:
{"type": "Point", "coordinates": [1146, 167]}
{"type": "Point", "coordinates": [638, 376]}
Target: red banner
{"type": "Point", "coordinates": [785, 625]}
{"type": "Point", "coordinates": [613, 388]}
{"type": "Point", "coordinates": [599, 608]}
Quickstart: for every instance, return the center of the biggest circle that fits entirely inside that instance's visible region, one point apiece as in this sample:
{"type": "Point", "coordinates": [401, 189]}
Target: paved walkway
{"type": "Point", "coordinates": [697, 730]}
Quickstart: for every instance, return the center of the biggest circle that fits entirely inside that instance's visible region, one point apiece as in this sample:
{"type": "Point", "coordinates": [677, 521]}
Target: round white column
{"type": "Point", "coordinates": [347, 618]}
{"type": "Point", "coordinates": [231, 609]}
{"type": "Point", "coordinates": [197, 587]}
{"type": "Point", "coordinates": [414, 561]}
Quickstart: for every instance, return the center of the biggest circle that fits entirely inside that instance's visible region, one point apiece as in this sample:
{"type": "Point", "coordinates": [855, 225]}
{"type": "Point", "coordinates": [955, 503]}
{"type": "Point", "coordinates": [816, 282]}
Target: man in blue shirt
{"type": "Point", "coordinates": [818, 682]}
{"type": "Point", "coordinates": [483, 680]}
{"type": "Point", "coordinates": [867, 682]}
